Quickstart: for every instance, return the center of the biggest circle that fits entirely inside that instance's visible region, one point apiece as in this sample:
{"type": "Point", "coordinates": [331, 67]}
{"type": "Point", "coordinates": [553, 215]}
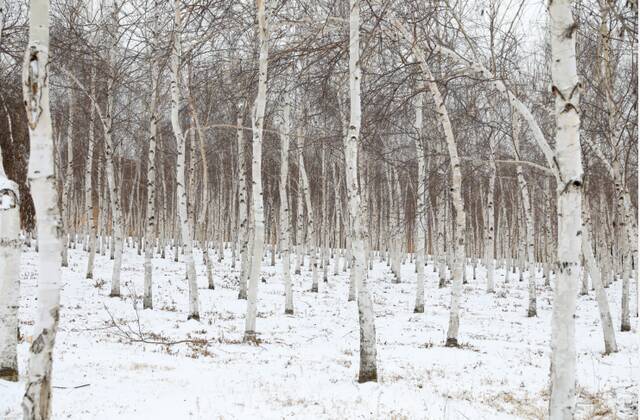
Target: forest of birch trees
{"type": "Point", "coordinates": [443, 143]}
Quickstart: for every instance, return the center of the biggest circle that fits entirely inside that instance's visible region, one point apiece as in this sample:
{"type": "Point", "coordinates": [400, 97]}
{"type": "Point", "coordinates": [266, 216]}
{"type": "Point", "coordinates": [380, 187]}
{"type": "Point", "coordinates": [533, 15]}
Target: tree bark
{"type": "Point", "coordinates": [566, 90]}
{"type": "Point", "coordinates": [284, 208]}
{"type": "Point", "coordinates": [421, 224]}
{"type": "Point", "coordinates": [10, 245]}
{"type": "Point", "coordinates": [257, 124]}
{"type": "Point", "coordinates": [181, 169]}
{"type": "Point", "coordinates": [35, 83]}
{"type": "Point", "coordinates": [610, 345]}
{"type": "Point", "coordinates": [455, 190]}
{"type": "Point", "coordinates": [88, 185]}
{"type": "Point", "coordinates": [368, 362]}
{"type": "Point", "coordinates": [147, 300]}
{"type": "Point", "coordinates": [68, 183]}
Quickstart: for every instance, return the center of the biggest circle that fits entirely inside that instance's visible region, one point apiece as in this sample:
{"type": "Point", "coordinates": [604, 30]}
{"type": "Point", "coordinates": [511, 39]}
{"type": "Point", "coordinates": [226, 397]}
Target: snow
{"type": "Point", "coordinates": [306, 365]}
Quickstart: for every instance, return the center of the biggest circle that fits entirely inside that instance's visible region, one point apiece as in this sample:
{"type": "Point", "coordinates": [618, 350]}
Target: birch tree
{"type": "Point", "coordinates": [285, 221]}
{"type": "Point", "coordinates": [68, 179]}
{"type": "Point", "coordinates": [181, 168]}
{"type": "Point", "coordinates": [117, 224]}
{"type": "Point", "coordinates": [147, 301]}
{"type": "Point", "coordinates": [490, 261]}
{"type": "Point", "coordinates": [9, 275]}
{"type": "Point", "coordinates": [243, 205]}
{"type": "Point", "coordinates": [420, 205]}
{"type": "Point", "coordinates": [528, 215]}
{"type": "Point", "coordinates": [610, 345]}
{"type": "Point", "coordinates": [257, 124]}
{"type": "Point", "coordinates": [88, 185]}
{"type": "Point", "coordinates": [306, 196]}
{"type": "Point", "coordinates": [368, 363]}
{"type": "Point", "coordinates": [455, 187]}
{"type": "Point", "coordinates": [566, 92]}
{"type": "Point", "coordinates": [36, 402]}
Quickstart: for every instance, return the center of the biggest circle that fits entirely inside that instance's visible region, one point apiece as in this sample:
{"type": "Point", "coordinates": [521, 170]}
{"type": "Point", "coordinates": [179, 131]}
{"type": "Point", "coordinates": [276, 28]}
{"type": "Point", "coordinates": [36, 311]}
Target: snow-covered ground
{"type": "Point", "coordinates": [306, 364]}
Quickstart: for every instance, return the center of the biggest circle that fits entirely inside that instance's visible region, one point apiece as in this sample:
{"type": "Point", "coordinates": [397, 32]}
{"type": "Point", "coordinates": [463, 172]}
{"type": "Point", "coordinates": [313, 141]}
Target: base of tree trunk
{"type": "Point", "coordinates": [89, 276]}
{"type": "Point", "coordinates": [250, 337]}
{"type": "Point", "coordinates": [532, 313]}
{"type": "Point", "coordinates": [419, 309]}
{"type": "Point", "coordinates": [147, 304]}
{"type": "Point", "coordinates": [625, 328]}
{"type": "Point", "coordinates": [194, 316]}
{"type": "Point", "coordinates": [442, 283]}
{"type": "Point", "coordinates": [8, 374]}
{"type": "Point", "coordinates": [114, 294]}
{"type": "Point", "coordinates": [314, 288]}
{"type": "Point", "coordinates": [288, 311]}
{"type": "Point", "coordinates": [211, 287]}
{"type": "Point", "coordinates": [451, 342]}
{"type": "Point", "coordinates": [242, 295]}
{"type": "Point", "coordinates": [368, 376]}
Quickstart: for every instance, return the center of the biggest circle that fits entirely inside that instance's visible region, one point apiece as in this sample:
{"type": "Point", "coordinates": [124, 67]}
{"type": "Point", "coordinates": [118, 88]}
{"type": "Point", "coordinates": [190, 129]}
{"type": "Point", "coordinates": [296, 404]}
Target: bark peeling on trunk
{"type": "Point", "coordinates": [37, 397]}
{"type": "Point", "coordinates": [566, 91]}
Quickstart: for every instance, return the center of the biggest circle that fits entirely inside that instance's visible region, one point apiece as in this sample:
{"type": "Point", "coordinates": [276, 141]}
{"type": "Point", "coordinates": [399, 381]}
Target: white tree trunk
{"type": "Point", "coordinates": [284, 208]}
{"type": "Point", "coordinates": [9, 275]}
{"type": "Point", "coordinates": [528, 213]}
{"type": "Point", "coordinates": [610, 345]}
{"type": "Point", "coordinates": [68, 182]}
{"type": "Point", "coordinates": [181, 169]}
{"type": "Point", "coordinates": [300, 237]}
{"type": "Point", "coordinates": [204, 212]}
{"type": "Point", "coordinates": [147, 300]}
{"type": "Point", "coordinates": [257, 124]}
{"type": "Point", "coordinates": [117, 228]}
{"type": "Point", "coordinates": [337, 181]}
{"type": "Point", "coordinates": [626, 238]}
{"type": "Point", "coordinates": [490, 261]}
{"type": "Point", "coordinates": [324, 236]}
{"type": "Point", "coordinates": [311, 230]}
{"type": "Point", "coordinates": [88, 185]}
{"type": "Point", "coordinates": [35, 78]}
{"type": "Point", "coordinates": [455, 190]}
{"type": "Point", "coordinates": [566, 90]}
{"type": "Point", "coordinates": [421, 222]}
{"type": "Point", "coordinates": [368, 363]}
{"type": "Point", "coordinates": [440, 240]}
{"type": "Point", "coordinates": [243, 207]}
{"type": "Point", "coordinates": [528, 216]}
